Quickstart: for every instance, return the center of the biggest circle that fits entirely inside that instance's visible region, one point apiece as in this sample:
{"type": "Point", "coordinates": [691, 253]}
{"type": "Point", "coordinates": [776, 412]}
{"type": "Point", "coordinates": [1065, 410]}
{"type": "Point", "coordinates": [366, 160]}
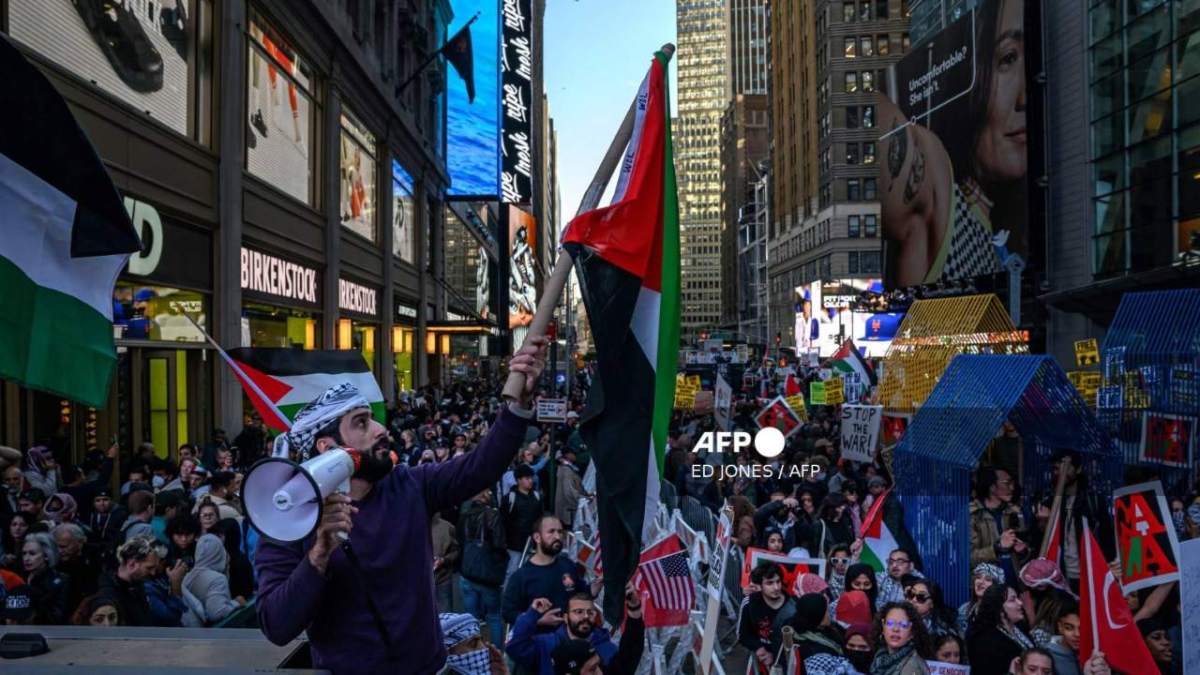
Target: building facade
{"type": "Point", "coordinates": [744, 140]}
{"type": "Point", "coordinates": [830, 58]}
{"type": "Point", "coordinates": [703, 91]}
{"type": "Point", "coordinates": [289, 190]}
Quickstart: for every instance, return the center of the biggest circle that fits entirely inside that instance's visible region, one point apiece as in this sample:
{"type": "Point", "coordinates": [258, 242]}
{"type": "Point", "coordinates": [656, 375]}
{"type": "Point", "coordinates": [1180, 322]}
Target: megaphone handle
{"type": "Point", "coordinates": [344, 537]}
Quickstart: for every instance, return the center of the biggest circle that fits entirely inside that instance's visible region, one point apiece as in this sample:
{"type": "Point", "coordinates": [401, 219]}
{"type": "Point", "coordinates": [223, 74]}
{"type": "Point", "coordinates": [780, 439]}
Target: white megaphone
{"type": "Point", "coordinates": [284, 500]}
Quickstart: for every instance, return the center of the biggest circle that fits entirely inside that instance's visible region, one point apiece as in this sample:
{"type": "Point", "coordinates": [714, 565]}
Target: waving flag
{"type": "Point", "coordinates": [627, 262]}
{"type": "Point", "coordinates": [666, 585]}
{"type": "Point", "coordinates": [66, 237]}
{"type": "Point", "coordinates": [878, 542]}
{"type": "Point", "coordinates": [1105, 622]}
{"type": "Point", "coordinates": [849, 361]}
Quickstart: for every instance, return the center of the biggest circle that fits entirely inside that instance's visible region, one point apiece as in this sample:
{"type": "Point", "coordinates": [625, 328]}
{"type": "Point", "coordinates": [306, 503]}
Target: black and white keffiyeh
{"type": "Point", "coordinates": [457, 628]}
{"type": "Point", "coordinates": [329, 406]}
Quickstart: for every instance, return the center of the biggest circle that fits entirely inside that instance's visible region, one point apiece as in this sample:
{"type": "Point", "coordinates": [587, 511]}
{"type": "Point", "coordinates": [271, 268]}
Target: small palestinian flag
{"type": "Point", "coordinates": [878, 541]}
{"type": "Point", "coordinates": [849, 364]}
{"type": "Point", "coordinates": [290, 378]}
{"type": "Point", "coordinates": [66, 237]}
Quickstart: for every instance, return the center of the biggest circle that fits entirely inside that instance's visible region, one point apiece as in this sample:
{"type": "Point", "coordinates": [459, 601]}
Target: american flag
{"type": "Point", "coordinates": [668, 582]}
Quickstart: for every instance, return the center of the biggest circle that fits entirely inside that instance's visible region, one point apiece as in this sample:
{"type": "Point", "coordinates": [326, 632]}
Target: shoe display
{"type": "Point", "coordinates": [259, 123]}
{"type": "Point", "coordinates": [124, 42]}
{"type": "Point", "coordinates": [174, 27]}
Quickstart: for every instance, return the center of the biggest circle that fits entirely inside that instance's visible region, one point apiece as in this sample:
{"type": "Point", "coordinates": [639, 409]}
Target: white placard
{"type": "Point", "coordinates": [552, 410]}
{"type": "Point", "coordinates": [723, 403]}
{"type": "Point", "coordinates": [860, 431]}
{"type": "Point", "coordinates": [943, 668]}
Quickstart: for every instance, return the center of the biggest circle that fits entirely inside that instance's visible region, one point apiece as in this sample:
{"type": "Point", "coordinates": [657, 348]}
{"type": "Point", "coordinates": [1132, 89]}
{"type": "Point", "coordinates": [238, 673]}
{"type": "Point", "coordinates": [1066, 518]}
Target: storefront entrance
{"type": "Point", "coordinates": [166, 386]}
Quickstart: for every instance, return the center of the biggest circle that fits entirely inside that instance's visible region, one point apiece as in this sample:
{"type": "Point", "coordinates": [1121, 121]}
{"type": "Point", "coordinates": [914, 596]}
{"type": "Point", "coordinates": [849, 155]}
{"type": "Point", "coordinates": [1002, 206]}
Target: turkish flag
{"type": "Point", "coordinates": [1104, 613]}
{"type": "Point", "coordinates": [791, 386]}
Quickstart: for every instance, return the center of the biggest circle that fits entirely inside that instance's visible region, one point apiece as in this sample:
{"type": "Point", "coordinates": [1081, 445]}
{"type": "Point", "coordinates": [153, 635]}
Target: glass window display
{"type": "Point", "coordinates": [403, 215]}
{"type": "Point", "coordinates": [279, 105]}
{"type": "Point", "coordinates": [358, 177]}
{"type": "Point", "coordinates": [142, 53]}
{"type": "Point", "coordinates": [158, 313]}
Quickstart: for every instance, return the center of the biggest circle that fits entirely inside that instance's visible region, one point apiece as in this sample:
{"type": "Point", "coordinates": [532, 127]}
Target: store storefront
{"type": "Point", "coordinates": [281, 301]}
{"type": "Point", "coordinates": [358, 326]}
{"type": "Point", "coordinates": [404, 343]}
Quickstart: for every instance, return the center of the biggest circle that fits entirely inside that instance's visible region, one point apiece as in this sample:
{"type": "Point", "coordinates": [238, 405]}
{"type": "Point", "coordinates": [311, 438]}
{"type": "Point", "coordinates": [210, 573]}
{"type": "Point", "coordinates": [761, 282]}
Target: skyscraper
{"type": "Point", "coordinates": [704, 91]}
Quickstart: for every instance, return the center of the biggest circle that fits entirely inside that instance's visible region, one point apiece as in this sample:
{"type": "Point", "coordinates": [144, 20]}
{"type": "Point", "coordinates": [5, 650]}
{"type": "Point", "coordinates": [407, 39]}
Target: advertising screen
{"type": "Point", "coordinates": [954, 153]}
{"type": "Point", "coordinates": [473, 128]}
{"type": "Point", "coordinates": [516, 172]}
{"type": "Point", "coordinates": [279, 105]}
{"type": "Point", "coordinates": [96, 41]}
{"type": "Point", "coordinates": [358, 177]}
{"type": "Point", "coordinates": [823, 316]}
{"type": "Point", "coordinates": [403, 215]}
{"type": "Point", "coordinates": [522, 246]}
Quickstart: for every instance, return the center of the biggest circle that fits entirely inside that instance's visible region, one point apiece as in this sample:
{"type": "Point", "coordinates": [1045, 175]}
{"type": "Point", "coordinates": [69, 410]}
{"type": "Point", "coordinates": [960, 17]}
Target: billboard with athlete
{"type": "Point", "coordinates": [953, 185]}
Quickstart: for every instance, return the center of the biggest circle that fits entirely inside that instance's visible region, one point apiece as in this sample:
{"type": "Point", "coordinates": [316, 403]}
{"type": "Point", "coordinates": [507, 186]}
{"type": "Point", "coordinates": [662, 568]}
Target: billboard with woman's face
{"type": "Point", "coordinates": [955, 158]}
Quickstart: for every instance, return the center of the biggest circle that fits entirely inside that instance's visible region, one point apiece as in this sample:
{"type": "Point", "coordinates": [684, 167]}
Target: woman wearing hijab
{"type": "Point", "coordinates": [903, 644]}
{"type": "Point", "coordinates": [858, 647]}
{"type": "Point", "coordinates": [206, 586]}
{"type": "Point", "coordinates": [984, 577]}
{"type": "Point", "coordinates": [60, 508]}
{"type": "Point", "coordinates": [859, 577]}
{"type": "Point", "coordinates": [997, 635]}
{"type": "Point", "coordinates": [41, 471]}
{"type": "Point", "coordinates": [819, 644]}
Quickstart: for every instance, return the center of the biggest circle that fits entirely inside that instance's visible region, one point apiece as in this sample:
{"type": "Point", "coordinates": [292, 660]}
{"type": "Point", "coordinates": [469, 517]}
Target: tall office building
{"type": "Point", "coordinates": [704, 91]}
{"type": "Point", "coordinates": [829, 58]}
{"type": "Point", "coordinates": [749, 27]}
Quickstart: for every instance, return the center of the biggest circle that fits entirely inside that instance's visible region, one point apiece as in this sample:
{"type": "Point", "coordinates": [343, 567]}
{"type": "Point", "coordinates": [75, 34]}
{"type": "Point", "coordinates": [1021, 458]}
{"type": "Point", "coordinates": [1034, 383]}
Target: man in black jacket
{"type": "Point", "coordinates": [484, 557]}
{"type": "Point", "coordinates": [521, 508]}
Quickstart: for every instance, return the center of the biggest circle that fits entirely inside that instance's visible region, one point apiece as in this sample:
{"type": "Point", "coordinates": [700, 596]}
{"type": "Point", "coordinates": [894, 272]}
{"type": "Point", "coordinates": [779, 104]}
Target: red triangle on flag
{"type": "Point", "coordinates": [271, 387]}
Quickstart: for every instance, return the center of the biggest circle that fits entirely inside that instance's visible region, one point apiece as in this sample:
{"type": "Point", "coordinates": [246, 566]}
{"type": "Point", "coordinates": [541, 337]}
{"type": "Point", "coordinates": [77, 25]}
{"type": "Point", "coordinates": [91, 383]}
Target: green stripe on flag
{"type": "Point", "coordinates": [52, 341]}
{"type": "Point", "coordinates": [668, 322]}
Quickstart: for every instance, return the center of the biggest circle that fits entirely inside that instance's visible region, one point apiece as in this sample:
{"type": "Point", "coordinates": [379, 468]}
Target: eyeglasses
{"type": "Point", "coordinates": [898, 623]}
{"type": "Point", "coordinates": [898, 561]}
{"type": "Point", "coordinates": [839, 560]}
{"type": "Point", "coordinates": [918, 597]}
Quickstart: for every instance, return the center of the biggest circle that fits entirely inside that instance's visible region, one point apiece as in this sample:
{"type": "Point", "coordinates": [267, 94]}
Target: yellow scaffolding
{"type": "Point", "coordinates": [934, 332]}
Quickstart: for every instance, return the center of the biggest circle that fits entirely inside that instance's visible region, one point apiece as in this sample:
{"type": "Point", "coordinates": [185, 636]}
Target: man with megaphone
{"type": "Point", "coordinates": [358, 575]}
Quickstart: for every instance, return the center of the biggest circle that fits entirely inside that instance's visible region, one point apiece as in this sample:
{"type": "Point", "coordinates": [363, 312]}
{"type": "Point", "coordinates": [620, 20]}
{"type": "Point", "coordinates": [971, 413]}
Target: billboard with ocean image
{"type": "Point", "coordinates": [473, 129]}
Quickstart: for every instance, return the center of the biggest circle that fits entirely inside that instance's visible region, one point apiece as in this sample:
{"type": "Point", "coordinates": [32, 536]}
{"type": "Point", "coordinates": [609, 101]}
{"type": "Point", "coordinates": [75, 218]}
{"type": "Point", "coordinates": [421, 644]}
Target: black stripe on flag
{"type": "Point", "coordinates": [283, 362]}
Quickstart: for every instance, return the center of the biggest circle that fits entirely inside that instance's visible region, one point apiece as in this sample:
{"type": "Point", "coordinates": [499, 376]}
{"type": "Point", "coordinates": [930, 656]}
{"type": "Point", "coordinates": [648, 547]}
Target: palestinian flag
{"type": "Point", "coordinates": [878, 542]}
{"type": "Point", "coordinates": [66, 237]}
{"type": "Point", "coordinates": [627, 262]}
{"type": "Point", "coordinates": [847, 361]}
{"type": "Point", "coordinates": [279, 382]}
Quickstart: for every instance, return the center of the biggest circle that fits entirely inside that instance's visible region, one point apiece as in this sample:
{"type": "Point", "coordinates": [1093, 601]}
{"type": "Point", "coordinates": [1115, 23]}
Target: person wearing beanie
{"type": "Point", "coordinates": [859, 577]}
{"type": "Point", "coordinates": [819, 642]}
{"type": "Point", "coordinates": [858, 647]}
{"type": "Point", "coordinates": [19, 609]}
{"type": "Point", "coordinates": [853, 607]}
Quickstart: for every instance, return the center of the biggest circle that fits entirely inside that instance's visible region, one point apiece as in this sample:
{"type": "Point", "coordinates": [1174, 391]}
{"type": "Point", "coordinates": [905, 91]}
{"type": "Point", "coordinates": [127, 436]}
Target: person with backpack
{"type": "Point", "coordinates": [484, 560]}
{"type": "Point", "coordinates": [522, 506]}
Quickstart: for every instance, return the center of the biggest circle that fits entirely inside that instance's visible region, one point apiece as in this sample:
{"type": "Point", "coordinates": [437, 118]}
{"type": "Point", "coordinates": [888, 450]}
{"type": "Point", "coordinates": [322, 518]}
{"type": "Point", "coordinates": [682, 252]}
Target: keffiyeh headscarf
{"type": "Point", "coordinates": [457, 628]}
{"type": "Point", "coordinates": [60, 508]}
{"type": "Point", "coordinates": [315, 416]}
{"type": "Point", "coordinates": [989, 570]}
{"type": "Point", "coordinates": [37, 458]}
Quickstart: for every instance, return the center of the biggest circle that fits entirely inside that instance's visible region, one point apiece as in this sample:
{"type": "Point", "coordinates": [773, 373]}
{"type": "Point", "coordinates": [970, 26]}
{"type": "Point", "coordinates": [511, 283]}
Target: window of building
{"type": "Point", "coordinates": [853, 190]}
{"type": "Point", "coordinates": [852, 117]}
{"type": "Point", "coordinates": [869, 189]}
{"type": "Point", "coordinates": [851, 82]}
{"type": "Point", "coordinates": [866, 47]}
{"type": "Point", "coordinates": [881, 9]}
{"type": "Point", "coordinates": [852, 153]}
{"type": "Point", "coordinates": [868, 152]}
{"type": "Point", "coordinates": [850, 48]}
{"type": "Point", "coordinates": [852, 262]}
{"type": "Point", "coordinates": [280, 114]}
{"type": "Point", "coordinates": [870, 226]}
{"type": "Point", "coordinates": [905, 44]}
{"type": "Point", "coordinates": [881, 82]}
{"type": "Point", "coordinates": [864, 10]}
{"type": "Point", "coordinates": [868, 262]}
{"type": "Point", "coordinates": [848, 12]}
{"type": "Point", "coordinates": [357, 177]}
{"type": "Point", "coordinates": [868, 80]}
{"type": "Point", "coordinates": [882, 45]}
{"type": "Point", "coordinates": [853, 226]}
{"type": "Point", "coordinates": [868, 117]}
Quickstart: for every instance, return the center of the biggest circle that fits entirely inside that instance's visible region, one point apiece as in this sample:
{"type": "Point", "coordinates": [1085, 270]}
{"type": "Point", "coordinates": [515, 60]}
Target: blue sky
{"type": "Point", "coordinates": [596, 54]}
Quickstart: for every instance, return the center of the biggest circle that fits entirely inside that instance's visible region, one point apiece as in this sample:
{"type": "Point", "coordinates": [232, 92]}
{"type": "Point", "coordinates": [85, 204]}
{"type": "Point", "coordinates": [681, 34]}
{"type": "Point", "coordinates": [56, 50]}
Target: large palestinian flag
{"type": "Point", "coordinates": [66, 236]}
{"type": "Point", "coordinates": [627, 262]}
{"type": "Point", "coordinates": [284, 380]}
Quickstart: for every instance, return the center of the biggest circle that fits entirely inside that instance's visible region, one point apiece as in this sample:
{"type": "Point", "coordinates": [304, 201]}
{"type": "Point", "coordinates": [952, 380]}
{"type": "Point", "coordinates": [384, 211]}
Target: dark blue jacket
{"type": "Point", "coordinates": [532, 649]}
{"type": "Point", "coordinates": [556, 582]}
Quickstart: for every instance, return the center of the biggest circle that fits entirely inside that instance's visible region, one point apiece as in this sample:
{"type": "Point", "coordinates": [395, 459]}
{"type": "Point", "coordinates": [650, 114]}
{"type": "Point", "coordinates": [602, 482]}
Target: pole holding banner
{"type": "Point", "coordinates": [553, 288]}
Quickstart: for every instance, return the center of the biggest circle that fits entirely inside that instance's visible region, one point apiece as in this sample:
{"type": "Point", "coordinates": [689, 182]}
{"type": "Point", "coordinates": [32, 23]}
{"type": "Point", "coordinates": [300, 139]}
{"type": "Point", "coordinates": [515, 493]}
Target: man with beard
{"type": "Point", "coordinates": [534, 650]}
{"type": "Point", "coordinates": [547, 574]}
{"type": "Point", "coordinates": [371, 608]}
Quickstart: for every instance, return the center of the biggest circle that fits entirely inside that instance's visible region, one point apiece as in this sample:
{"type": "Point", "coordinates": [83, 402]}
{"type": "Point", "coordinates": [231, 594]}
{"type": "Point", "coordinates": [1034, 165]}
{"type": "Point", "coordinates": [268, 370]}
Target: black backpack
{"type": "Point", "coordinates": [482, 563]}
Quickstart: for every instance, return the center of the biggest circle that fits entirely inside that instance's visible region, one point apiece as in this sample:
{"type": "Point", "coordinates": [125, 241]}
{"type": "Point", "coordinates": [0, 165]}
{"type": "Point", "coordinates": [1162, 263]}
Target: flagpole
{"type": "Point", "coordinates": [242, 374]}
{"type": "Point", "coordinates": [434, 55]}
{"type": "Point", "coordinates": [553, 288]}
{"type": "Point", "coordinates": [1091, 590]}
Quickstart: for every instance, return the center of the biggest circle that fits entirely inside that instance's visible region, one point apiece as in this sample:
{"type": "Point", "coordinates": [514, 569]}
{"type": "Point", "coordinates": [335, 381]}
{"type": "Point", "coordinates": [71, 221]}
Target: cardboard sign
{"type": "Point", "coordinates": [720, 552]}
{"type": "Point", "coordinates": [834, 393]}
{"type": "Point", "coordinates": [943, 668]}
{"type": "Point", "coordinates": [792, 567]}
{"type": "Point", "coordinates": [723, 404]}
{"type": "Point", "coordinates": [1168, 440]}
{"type": "Point", "coordinates": [796, 403]}
{"type": "Point", "coordinates": [777, 414]}
{"type": "Point", "coordinates": [1146, 542]}
{"type": "Point", "coordinates": [685, 391]}
{"type": "Point", "coordinates": [816, 393]}
{"type": "Point", "coordinates": [893, 427]}
{"type": "Point", "coordinates": [1087, 353]}
{"type": "Point", "coordinates": [552, 410]}
{"type": "Point", "coordinates": [860, 431]}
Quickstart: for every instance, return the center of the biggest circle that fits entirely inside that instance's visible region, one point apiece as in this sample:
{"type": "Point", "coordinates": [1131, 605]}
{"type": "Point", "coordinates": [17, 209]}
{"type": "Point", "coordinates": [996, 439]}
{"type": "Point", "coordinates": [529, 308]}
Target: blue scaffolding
{"type": "Point", "coordinates": [1152, 348]}
{"type": "Point", "coordinates": [934, 462]}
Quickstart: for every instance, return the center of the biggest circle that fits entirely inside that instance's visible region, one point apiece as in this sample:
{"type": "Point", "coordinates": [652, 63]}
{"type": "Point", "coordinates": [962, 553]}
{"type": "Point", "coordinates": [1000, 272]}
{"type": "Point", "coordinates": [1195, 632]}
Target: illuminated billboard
{"type": "Point", "coordinates": [473, 128]}
{"type": "Point", "coordinates": [516, 145]}
{"type": "Point", "coordinates": [522, 250]}
{"type": "Point", "coordinates": [954, 172]}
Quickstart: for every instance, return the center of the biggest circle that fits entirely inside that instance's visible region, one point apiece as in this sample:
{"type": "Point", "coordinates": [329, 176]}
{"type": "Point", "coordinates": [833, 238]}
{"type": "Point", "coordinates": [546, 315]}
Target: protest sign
{"type": "Point", "coordinates": [1189, 596]}
{"type": "Point", "coordinates": [777, 414]}
{"type": "Point", "coordinates": [792, 567]}
{"type": "Point", "coordinates": [796, 403]}
{"type": "Point", "coordinates": [943, 668]}
{"type": "Point", "coordinates": [816, 393]}
{"type": "Point", "coordinates": [706, 635]}
{"type": "Point", "coordinates": [1146, 542]}
{"type": "Point", "coordinates": [552, 410]}
{"type": "Point", "coordinates": [723, 404]}
{"type": "Point", "coordinates": [860, 431]}
{"type": "Point", "coordinates": [1087, 353]}
{"type": "Point", "coordinates": [893, 428]}
{"type": "Point", "coordinates": [743, 353]}
{"type": "Point", "coordinates": [1169, 440]}
{"type": "Point", "coordinates": [702, 402]}
{"type": "Point", "coordinates": [834, 394]}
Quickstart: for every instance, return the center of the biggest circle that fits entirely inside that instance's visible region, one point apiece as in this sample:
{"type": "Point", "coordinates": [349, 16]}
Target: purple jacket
{"type": "Point", "coordinates": [392, 540]}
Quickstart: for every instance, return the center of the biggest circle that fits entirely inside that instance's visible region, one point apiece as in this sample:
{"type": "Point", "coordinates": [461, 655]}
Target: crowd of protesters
{"type": "Point", "coordinates": [171, 547]}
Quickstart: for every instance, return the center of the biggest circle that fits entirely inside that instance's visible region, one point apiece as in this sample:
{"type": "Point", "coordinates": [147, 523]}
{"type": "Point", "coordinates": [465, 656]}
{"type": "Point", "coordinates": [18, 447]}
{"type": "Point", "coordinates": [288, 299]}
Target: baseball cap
{"type": "Point", "coordinates": [18, 605]}
{"type": "Point", "coordinates": [570, 656]}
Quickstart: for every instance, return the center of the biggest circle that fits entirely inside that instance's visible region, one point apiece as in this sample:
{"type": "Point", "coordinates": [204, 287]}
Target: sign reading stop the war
{"type": "Point", "coordinates": [1146, 539]}
{"type": "Point", "coordinates": [860, 431]}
